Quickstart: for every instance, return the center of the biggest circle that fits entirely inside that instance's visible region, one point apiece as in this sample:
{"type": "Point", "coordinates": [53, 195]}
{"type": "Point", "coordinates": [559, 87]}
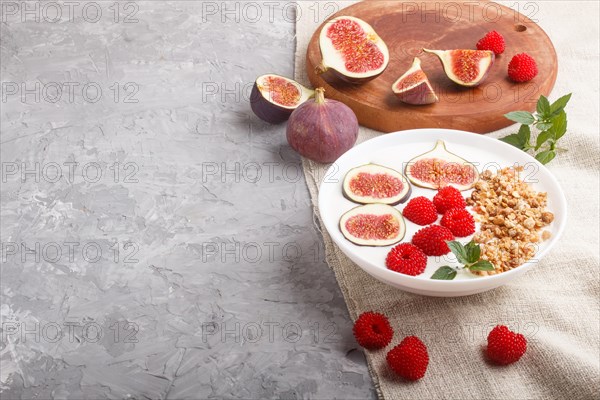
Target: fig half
{"type": "Point", "coordinates": [413, 87]}
{"type": "Point", "coordinates": [372, 183]}
{"type": "Point", "coordinates": [274, 97]}
{"type": "Point", "coordinates": [351, 50]}
{"type": "Point", "coordinates": [465, 67]}
{"type": "Point", "coordinates": [373, 225]}
{"type": "Point", "coordinates": [438, 168]}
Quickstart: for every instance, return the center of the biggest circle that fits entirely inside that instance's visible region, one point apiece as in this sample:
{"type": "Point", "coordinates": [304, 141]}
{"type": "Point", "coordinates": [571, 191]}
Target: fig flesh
{"type": "Point", "coordinates": [438, 168]}
{"type": "Point", "coordinates": [322, 129]}
{"type": "Point", "coordinates": [413, 87]}
{"type": "Point", "coordinates": [465, 67]}
{"type": "Point", "coordinates": [275, 97]}
{"type": "Point", "coordinates": [372, 183]}
{"type": "Point", "coordinates": [351, 51]}
{"type": "Point", "coordinates": [373, 225]}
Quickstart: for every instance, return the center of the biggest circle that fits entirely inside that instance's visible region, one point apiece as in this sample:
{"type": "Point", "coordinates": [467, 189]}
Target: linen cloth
{"type": "Point", "coordinates": [555, 305]}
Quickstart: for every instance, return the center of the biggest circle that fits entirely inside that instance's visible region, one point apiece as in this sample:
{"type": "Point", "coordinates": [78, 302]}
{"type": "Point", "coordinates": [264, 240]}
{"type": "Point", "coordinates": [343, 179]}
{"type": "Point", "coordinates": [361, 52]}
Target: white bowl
{"type": "Point", "coordinates": [394, 150]}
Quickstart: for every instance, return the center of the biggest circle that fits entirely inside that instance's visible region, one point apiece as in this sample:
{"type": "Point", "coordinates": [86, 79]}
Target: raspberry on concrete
{"type": "Point", "coordinates": [373, 330]}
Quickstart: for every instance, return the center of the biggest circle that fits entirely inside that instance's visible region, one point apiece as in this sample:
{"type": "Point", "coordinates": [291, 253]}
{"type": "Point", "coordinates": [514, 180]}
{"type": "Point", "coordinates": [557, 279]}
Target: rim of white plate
{"type": "Point", "coordinates": [550, 184]}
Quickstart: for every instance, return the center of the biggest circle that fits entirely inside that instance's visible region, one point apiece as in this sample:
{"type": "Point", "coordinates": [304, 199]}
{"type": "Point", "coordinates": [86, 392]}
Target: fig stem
{"type": "Point", "coordinates": [321, 68]}
{"type": "Point", "coordinates": [320, 95]}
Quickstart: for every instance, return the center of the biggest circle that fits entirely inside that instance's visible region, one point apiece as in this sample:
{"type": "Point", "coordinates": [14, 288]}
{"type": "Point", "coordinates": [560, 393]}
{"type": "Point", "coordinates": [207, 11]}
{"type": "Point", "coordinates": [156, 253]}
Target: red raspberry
{"type": "Point", "coordinates": [492, 41]}
{"type": "Point", "coordinates": [460, 222]}
{"type": "Point", "coordinates": [407, 259]}
{"type": "Point", "coordinates": [420, 210]}
{"type": "Point", "coordinates": [504, 346]}
{"type": "Point", "coordinates": [448, 198]}
{"type": "Point", "coordinates": [373, 330]}
{"type": "Point", "coordinates": [409, 359]}
{"type": "Point", "coordinates": [522, 68]}
{"type": "Point", "coordinates": [432, 240]}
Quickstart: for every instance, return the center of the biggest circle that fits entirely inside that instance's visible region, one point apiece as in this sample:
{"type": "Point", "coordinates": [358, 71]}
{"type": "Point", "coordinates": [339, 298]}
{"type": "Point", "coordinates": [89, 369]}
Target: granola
{"type": "Point", "coordinates": [512, 217]}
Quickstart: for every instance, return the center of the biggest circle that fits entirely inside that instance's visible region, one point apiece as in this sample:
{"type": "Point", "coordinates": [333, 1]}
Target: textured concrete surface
{"type": "Point", "coordinates": [157, 238]}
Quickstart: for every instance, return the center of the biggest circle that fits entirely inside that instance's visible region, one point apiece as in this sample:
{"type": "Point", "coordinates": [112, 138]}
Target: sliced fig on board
{"type": "Point", "coordinates": [413, 87]}
{"type": "Point", "coordinates": [465, 67]}
{"type": "Point", "coordinates": [373, 225]}
{"type": "Point", "coordinates": [351, 50]}
{"type": "Point", "coordinates": [372, 183]}
{"type": "Point", "coordinates": [438, 168]}
{"type": "Point", "coordinates": [274, 97]}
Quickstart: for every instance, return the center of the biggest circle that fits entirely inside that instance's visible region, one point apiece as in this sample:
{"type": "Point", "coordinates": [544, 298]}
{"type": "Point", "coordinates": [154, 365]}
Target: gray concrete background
{"type": "Point", "coordinates": [157, 238]}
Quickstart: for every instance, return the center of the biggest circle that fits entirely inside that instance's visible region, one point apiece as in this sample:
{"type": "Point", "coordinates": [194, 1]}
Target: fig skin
{"type": "Point", "coordinates": [353, 199]}
{"type": "Point", "coordinates": [322, 129]}
{"type": "Point", "coordinates": [265, 110]}
{"type": "Point", "coordinates": [448, 57]}
{"type": "Point", "coordinates": [272, 112]}
{"type": "Point", "coordinates": [420, 94]}
{"type": "Point", "coordinates": [402, 200]}
{"type": "Point", "coordinates": [330, 70]}
{"type": "Point", "coordinates": [380, 243]}
{"type": "Point", "coordinates": [439, 151]}
{"type": "Point", "coordinates": [332, 75]}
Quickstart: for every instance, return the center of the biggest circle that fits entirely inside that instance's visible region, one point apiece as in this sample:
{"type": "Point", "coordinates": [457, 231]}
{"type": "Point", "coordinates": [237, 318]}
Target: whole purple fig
{"type": "Point", "coordinates": [322, 129]}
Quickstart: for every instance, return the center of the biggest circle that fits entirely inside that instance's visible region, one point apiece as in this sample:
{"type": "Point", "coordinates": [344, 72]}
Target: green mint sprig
{"type": "Point", "coordinates": [468, 255]}
{"type": "Point", "coordinates": [549, 119]}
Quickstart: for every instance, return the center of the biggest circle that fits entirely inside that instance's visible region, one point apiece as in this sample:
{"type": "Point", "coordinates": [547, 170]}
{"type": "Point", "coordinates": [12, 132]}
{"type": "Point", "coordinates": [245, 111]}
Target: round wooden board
{"type": "Point", "coordinates": [407, 27]}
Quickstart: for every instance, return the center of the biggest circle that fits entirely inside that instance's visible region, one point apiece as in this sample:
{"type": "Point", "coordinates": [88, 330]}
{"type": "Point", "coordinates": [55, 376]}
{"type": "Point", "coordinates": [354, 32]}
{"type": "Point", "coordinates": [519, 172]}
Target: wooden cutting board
{"type": "Point", "coordinates": [407, 27]}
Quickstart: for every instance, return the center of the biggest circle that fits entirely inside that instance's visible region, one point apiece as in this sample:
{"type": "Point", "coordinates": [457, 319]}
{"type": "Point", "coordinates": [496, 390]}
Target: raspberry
{"type": "Point", "coordinates": [492, 41]}
{"type": "Point", "coordinates": [460, 222]}
{"type": "Point", "coordinates": [448, 198]}
{"type": "Point", "coordinates": [522, 68]}
{"type": "Point", "coordinates": [372, 330]}
{"type": "Point", "coordinates": [421, 211]}
{"type": "Point", "coordinates": [504, 346]}
{"type": "Point", "coordinates": [409, 359]}
{"type": "Point", "coordinates": [407, 259]}
{"type": "Point", "coordinates": [432, 240]}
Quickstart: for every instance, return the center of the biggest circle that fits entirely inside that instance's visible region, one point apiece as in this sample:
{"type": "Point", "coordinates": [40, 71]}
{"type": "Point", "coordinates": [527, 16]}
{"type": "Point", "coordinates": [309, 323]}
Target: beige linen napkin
{"type": "Point", "coordinates": [555, 305]}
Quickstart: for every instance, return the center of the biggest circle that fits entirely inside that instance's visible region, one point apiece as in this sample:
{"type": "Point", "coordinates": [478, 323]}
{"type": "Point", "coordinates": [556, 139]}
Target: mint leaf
{"type": "Point", "coordinates": [559, 125]}
{"type": "Point", "coordinates": [542, 126]}
{"type": "Point", "coordinates": [543, 107]}
{"type": "Point", "coordinates": [458, 250]}
{"type": "Point", "coordinates": [444, 273]}
{"type": "Point", "coordinates": [522, 117]}
{"type": "Point", "coordinates": [559, 104]}
{"type": "Point", "coordinates": [473, 251]}
{"type": "Point", "coordinates": [482, 265]}
{"type": "Point", "coordinates": [545, 156]}
{"type": "Point", "coordinates": [551, 122]}
{"type": "Point", "coordinates": [524, 134]}
{"type": "Point", "coordinates": [514, 140]}
{"type": "Point", "coordinates": [520, 139]}
{"type": "Point", "coordinates": [542, 138]}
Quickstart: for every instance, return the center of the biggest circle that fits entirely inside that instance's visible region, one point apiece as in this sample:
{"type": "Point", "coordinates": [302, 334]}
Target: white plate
{"type": "Point", "coordinates": [394, 150]}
